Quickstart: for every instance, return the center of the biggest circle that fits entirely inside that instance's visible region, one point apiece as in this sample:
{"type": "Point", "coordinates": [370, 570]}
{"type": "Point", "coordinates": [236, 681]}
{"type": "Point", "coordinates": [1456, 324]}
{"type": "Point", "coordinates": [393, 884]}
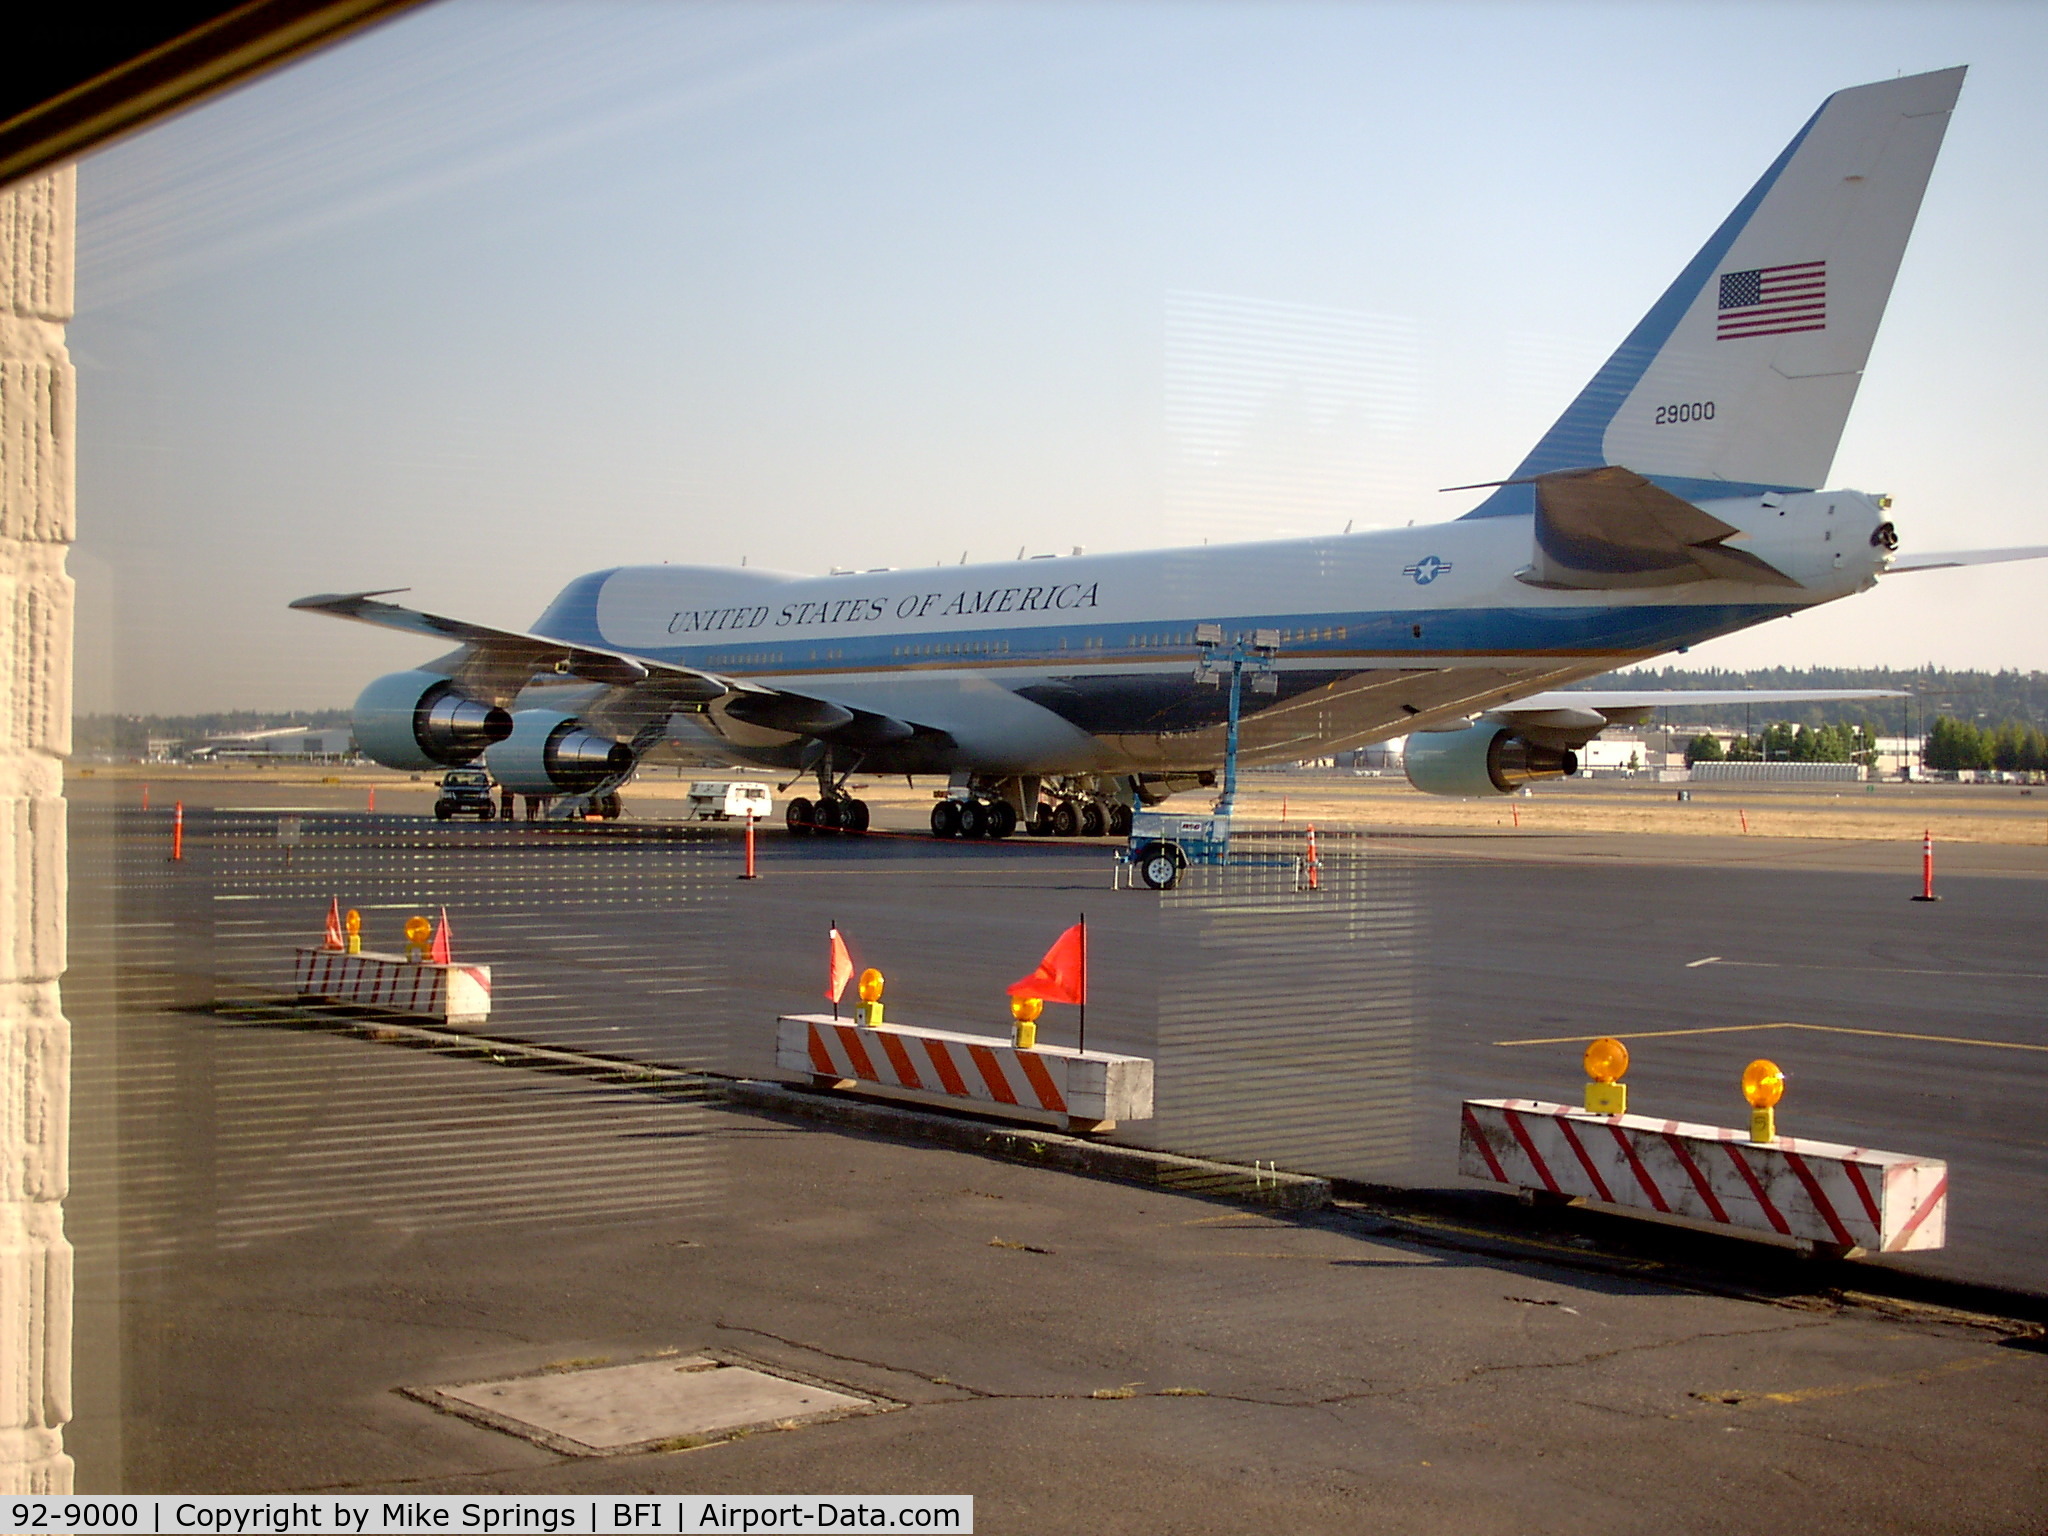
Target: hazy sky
{"type": "Point", "coordinates": [503, 291]}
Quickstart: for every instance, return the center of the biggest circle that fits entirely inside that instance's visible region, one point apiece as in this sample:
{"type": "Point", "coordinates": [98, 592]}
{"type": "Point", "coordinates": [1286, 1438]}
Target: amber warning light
{"type": "Point", "coordinates": [1763, 1085]}
{"type": "Point", "coordinates": [1606, 1062]}
{"type": "Point", "coordinates": [870, 997]}
{"type": "Point", "coordinates": [1025, 1010]}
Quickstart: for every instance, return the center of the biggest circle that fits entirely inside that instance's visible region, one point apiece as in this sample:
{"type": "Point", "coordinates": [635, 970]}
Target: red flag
{"type": "Point", "coordinates": [1062, 976]}
{"type": "Point", "coordinates": [443, 950]}
{"type": "Point", "coordinates": [333, 939]}
{"type": "Point", "coordinates": [840, 969]}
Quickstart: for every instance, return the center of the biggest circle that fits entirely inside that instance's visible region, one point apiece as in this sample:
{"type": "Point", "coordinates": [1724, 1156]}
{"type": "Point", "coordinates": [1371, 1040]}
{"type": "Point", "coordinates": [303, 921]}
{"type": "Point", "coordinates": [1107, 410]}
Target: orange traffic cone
{"type": "Point", "coordinates": [1312, 862]}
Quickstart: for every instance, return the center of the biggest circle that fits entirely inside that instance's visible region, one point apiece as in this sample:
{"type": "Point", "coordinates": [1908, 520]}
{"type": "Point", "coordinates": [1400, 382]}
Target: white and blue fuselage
{"type": "Point", "coordinates": [1087, 663]}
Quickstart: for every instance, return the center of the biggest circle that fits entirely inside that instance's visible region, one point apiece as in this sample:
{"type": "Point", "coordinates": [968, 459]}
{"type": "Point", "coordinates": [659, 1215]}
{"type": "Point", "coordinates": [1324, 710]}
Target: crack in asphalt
{"type": "Point", "coordinates": [1630, 1349]}
{"type": "Point", "coordinates": [875, 1365]}
{"type": "Point", "coordinates": [1334, 1400]}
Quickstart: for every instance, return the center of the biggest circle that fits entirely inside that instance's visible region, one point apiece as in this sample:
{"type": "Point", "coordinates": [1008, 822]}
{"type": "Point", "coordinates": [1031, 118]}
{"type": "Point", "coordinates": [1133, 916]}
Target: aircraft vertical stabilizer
{"type": "Point", "coordinates": [1740, 377]}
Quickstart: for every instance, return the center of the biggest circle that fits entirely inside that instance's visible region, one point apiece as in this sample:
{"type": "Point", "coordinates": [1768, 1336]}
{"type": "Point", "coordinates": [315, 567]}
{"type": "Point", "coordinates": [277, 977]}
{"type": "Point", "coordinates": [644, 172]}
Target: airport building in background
{"type": "Point", "coordinates": [324, 744]}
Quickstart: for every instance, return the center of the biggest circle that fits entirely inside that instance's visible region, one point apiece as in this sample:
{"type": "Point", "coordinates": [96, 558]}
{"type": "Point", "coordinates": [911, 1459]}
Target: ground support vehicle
{"type": "Point", "coordinates": [716, 800]}
{"type": "Point", "coordinates": [1163, 843]}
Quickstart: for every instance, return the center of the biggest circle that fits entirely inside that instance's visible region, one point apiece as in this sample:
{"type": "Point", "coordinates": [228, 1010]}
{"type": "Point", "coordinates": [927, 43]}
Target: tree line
{"type": "Point", "coordinates": [1783, 742]}
{"type": "Point", "coordinates": [1953, 746]}
{"type": "Point", "coordinates": [2012, 746]}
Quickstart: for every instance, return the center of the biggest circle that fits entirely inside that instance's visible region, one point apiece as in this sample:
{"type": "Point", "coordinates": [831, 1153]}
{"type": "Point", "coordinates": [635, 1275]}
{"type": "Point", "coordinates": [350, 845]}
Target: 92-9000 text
{"type": "Point", "coordinates": [76, 1515]}
{"type": "Point", "coordinates": [1697, 410]}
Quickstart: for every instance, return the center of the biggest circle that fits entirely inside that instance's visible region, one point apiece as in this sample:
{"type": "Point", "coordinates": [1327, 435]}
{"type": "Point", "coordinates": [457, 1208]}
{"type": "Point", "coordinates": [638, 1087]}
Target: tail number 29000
{"type": "Point", "coordinates": [1697, 410]}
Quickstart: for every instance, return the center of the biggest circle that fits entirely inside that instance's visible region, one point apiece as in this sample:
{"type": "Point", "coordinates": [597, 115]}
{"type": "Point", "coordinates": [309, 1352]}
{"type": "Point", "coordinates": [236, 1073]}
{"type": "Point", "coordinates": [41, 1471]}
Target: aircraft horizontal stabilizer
{"type": "Point", "coordinates": [1605, 528]}
{"type": "Point", "coordinates": [1949, 560]}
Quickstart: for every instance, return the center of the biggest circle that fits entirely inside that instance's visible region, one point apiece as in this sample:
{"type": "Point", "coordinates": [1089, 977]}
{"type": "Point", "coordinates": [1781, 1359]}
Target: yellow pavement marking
{"type": "Point", "coordinates": [1845, 1389]}
{"type": "Point", "coordinates": [1825, 1029]}
{"type": "Point", "coordinates": [1866, 970]}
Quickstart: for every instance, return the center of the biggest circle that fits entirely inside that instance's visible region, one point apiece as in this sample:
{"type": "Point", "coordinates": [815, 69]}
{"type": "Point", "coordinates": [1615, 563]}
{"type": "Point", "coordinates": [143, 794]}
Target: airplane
{"type": "Point", "coordinates": [1678, 498]}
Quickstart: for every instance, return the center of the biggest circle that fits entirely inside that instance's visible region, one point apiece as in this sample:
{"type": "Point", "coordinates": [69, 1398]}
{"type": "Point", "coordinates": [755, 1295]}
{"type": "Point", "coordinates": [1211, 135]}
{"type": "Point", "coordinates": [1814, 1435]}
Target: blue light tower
{"type": "Point", "coordinates": [1258, 648]}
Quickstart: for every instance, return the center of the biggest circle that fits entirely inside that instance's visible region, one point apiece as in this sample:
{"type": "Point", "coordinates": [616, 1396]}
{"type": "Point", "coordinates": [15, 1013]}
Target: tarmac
{"type": "Point", "coordinates": [281, 1222]}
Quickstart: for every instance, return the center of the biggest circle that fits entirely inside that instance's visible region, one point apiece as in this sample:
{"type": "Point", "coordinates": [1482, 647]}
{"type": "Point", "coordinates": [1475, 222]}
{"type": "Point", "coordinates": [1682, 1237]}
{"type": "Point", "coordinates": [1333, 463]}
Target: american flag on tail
{"type": "Point", "coordinates": [1773, 301]}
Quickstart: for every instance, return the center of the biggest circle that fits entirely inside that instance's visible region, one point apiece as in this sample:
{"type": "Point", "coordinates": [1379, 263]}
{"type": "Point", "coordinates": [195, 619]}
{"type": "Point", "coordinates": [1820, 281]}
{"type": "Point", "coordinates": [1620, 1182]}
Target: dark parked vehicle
{"type": "Point", "coordinates": [465, 792]}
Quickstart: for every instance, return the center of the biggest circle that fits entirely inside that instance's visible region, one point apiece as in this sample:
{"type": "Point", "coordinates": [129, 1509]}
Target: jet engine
{"type": "Point", "coordinates": [422, 720]}
{"type": "Point", "coordinates": [552, 754]}
{"type": "Point", "coordinates": [1481, 760]}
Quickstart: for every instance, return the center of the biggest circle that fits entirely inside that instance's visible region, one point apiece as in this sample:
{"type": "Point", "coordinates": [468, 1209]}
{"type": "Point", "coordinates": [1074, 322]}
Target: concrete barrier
{"type": "Point", "coordinates": [1090, 1090]}
{"type": "Point", "coordinates": [1832, 1198]}
{"type": "Point", "coordinates": [453, 994]}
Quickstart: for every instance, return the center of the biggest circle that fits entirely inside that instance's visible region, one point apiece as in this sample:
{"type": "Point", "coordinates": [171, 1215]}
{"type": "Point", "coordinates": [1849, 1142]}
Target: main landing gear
{"type": "Point", "coordinates": [833, 811]}
{"type": "Point", "coordinates": [829, 814]}
{"type": "Point", "coordinates": [1072, 809]}
{"type": "Point", "coordinates": [1081, 818]}
{"type": "Point", "coordinates": [974, 818]}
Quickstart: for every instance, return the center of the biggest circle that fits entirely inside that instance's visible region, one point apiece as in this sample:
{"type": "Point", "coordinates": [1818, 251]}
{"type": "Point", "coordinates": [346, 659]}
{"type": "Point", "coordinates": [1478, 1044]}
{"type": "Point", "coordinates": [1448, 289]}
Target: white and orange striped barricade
{"type": "Point", "coordinates": [1831, 1198]}
{"type": "Point", "coordinates": [457, 995]}
{"type": "Point", "coordinates": [1088, 1090]}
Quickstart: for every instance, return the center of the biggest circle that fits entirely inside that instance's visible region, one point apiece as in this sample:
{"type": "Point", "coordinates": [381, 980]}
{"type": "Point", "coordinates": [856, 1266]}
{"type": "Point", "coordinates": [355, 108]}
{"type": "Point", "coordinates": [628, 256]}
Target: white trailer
{"type": "Point", "coordinates": [715, 800]}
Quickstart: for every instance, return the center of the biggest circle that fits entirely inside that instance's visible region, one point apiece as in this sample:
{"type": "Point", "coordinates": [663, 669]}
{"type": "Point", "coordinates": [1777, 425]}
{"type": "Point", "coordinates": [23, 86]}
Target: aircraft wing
{"type": "Point", "coordinates": [503, 661]}
{"type": "Point", "coordinates": [1568, 714]}
{"type": "Point", "coordinates": [1658, 698]}
{"type": "Point", "coordinates": [511, 653]}
{"type": "Point", "coordinates": [1949, 560]}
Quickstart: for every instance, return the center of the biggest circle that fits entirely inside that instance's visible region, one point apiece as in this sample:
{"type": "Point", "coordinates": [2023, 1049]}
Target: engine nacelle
{"type": "Point", "coordinates": [1481, 760]}
{"type": "Point", "coordinates": [551, 754]}
{"type": "Point", "coordinates": [422, 720]}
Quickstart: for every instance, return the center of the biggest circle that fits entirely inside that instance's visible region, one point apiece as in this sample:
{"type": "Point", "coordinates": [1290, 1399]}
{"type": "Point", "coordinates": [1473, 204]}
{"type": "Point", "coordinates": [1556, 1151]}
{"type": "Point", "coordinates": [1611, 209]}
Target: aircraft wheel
{"type": "Point", "coordinates": [828, 817]}
{"type": "Point", "coordinates": [1119, 821]}
{"type": "Point", "coordinates": [1002, 819]}
{"type": "Point", "coordinates": [796, 815]}
{"type": "Point", "coordinates": [610, 806]}
{"type": "Point", "coordinates": [973, 818]}
{"type": "Point", "coordinates": [443, 810]}
{"type": "Point", "coordinates": [1093, 822]}
{"type": "Point", "coordinates": [853, 815]}
{"type": "Point", "coordinates": [946, 819]}
{"type": "Point", "coordinates": [1066, 819]}
{"type": "Point", "coordinates": [1159, 866]}
{"type": "Point", "coordinates": [1041, 822]}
